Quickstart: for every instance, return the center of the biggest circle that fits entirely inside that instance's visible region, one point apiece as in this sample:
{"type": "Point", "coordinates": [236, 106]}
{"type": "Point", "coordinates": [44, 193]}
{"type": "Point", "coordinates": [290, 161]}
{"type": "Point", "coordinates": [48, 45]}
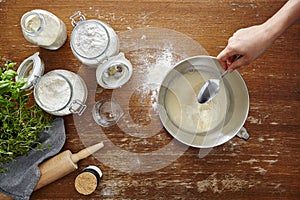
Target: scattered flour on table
{"type": "Point", "coordinates": [153, 70]}
{"type": "Point", "coordinates": [156, 73]}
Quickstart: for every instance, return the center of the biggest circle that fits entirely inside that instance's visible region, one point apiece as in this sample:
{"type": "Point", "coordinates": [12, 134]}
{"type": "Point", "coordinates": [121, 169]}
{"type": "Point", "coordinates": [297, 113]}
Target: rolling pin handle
{"type": "Point", "coordinates": [86, 152]}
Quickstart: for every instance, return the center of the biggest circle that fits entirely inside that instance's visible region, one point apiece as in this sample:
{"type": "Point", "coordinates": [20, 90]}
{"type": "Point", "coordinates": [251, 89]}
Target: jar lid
{"type": "Point", "coordinates": [53, 92]}
{"type": "Point", "coordinates": [88, 180]}
{"type": "Point", "coordinates": [31, 68]}
{"type": "Point", "coordinates": [90, 39]}
{"type": "Point", "coordinates": [114, 73]}
{"type": "Point", "coordinates": [32, 22]}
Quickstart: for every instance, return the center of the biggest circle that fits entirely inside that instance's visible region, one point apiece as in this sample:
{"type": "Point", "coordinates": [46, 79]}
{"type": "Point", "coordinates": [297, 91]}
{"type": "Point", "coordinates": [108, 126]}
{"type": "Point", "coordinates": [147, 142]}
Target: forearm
{"type": "Point", "coordinates": [284, 18]}
{"type": "Point", "coordinates": [253, 41]}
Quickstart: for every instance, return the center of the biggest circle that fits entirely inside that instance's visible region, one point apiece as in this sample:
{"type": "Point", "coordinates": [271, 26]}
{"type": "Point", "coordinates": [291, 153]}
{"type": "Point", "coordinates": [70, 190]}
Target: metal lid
{"type": "Point", "coordinates": [114, 73]}
{"type": "Point", "coordinates": [31, 68]}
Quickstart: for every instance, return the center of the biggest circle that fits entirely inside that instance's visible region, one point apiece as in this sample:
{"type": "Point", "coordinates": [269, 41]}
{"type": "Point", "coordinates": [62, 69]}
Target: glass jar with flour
{"type": "Point", "coordinates": [44, 29]}
{"type": "Point", "coordinates": [92, 41]}
{"type": "Point", "coordinates": [59, 92]}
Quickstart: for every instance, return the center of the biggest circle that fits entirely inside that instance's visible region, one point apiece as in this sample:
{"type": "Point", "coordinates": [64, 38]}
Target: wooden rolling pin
{"type": "Point", "coordinates": [63, 164]}
{"type": "Point", "coordinates": [4, 197]}
{"type": "Point", "coordinates": [59, 166]}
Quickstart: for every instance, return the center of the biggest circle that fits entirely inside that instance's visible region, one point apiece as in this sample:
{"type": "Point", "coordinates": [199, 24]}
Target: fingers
{"type": "Point", "coordinates": [231, 62]}
{"type": "Point", "coordinates": [236, 64]}
{"type": "Point", "coordinates": [225, 58]}
{"type": "Point", "coordinates": [242, 61]}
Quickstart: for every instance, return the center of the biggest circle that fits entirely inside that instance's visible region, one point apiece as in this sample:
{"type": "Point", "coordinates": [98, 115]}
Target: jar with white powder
{"type": "Point", "coordinates": [92, 41]}
{"type": "Point", "coordinates": [61, 92]}
{"type": "Point", "coordinates": [44, 29]}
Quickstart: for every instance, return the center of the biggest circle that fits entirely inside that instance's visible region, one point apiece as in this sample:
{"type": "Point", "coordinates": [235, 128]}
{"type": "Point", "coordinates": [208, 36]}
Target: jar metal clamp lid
{"type": "Point", "coordinates": [31, 68]}
{"type": "Point", "coordinates": [48, 93]}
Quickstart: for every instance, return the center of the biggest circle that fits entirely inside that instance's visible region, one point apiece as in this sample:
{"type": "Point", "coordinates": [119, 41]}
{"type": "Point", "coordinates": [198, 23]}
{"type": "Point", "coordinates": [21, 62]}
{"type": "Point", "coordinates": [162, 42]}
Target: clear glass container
{"type": "Point", "coordinates": [107, 112]}
{"type": "Point", "coordinates": [92, 41]}
{"type": "Point", "coordinates": [44, 29]}
{"type": "Point", "coordinates": [61, 92]}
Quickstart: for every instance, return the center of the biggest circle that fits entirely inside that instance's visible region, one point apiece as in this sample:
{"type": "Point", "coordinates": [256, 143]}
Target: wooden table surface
{"type": "Point", "coordinates": [264, 167]}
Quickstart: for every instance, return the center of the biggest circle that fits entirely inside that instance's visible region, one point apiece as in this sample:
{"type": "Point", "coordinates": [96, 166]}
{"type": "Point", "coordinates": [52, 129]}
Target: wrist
{"type": "Point", "coordinates": [271, 30]}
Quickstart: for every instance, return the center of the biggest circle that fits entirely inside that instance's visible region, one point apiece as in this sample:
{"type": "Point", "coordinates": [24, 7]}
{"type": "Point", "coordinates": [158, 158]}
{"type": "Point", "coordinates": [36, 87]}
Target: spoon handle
{"type": "Point", "coordinates": [224, 73]}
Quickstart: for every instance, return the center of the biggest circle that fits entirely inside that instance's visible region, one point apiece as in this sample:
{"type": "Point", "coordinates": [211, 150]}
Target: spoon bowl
{"type": "Point", "coordinates": [209, 89]}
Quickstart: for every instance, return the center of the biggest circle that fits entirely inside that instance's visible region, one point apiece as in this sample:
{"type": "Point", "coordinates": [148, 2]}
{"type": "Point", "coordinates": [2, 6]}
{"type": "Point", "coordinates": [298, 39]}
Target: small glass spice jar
{"type": "Point", "coordinates": [107, 112]}
{"type": "Point", "coordinates": [42, 28]}
{"type": "Point", "coordinates": [92, 41]}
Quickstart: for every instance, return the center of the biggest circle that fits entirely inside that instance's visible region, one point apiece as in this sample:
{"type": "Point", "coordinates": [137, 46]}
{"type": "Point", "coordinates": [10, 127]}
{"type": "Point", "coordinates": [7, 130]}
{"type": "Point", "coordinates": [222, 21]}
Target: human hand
{"type": "Point", "coordinates": [247, 43]}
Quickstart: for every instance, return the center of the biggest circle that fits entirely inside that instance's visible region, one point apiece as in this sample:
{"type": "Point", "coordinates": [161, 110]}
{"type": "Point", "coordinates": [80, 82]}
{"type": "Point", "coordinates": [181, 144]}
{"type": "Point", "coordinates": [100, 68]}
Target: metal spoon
{"type": "Point", "coordinates": [211, 87]}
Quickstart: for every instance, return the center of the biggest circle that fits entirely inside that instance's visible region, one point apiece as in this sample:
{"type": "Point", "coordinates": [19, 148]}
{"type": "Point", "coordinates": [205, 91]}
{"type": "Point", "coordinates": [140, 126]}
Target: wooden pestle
{"type": "Point", "coordinates": [63, 164]}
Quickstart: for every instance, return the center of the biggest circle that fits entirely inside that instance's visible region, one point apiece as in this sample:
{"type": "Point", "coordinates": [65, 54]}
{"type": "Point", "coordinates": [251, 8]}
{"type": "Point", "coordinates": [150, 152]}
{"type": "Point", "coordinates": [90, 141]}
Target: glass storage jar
{"type": "Point", "coordinates": [44, 29]}
{"type": "Point", "coordinates": [92, 41]}
{"type": "Point", "coordinates": [61, 92]}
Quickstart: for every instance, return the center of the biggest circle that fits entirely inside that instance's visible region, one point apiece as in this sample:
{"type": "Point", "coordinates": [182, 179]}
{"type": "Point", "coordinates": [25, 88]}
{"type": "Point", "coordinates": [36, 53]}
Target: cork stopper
{"type": "Point", "coordinates": [88, 180]}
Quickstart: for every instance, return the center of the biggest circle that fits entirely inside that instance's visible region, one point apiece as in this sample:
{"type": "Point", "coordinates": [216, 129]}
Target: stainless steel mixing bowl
{"type": "Point", "coordinates": [236, 102]}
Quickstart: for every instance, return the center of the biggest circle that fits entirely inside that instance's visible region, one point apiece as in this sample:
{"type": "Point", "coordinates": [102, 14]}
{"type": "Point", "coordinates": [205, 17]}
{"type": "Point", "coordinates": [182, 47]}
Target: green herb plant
{"type": "Point", "coordinates": [21, 120]}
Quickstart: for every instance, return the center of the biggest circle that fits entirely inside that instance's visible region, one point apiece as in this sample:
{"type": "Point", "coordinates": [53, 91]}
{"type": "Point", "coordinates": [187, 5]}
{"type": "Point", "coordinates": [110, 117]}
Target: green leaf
{"type": "Point", "coordinates": [21, 82]}
{"type": "Point", "coordinates": [9, 64]}
{"type": "Point", "coordinates": [4, 86]}
{"type": "Point", "coordinates": [8, 74]}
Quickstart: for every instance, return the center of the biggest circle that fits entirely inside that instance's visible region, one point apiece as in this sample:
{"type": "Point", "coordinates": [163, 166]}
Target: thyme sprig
{"type": "Point", "coordinates": [21, 120]}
